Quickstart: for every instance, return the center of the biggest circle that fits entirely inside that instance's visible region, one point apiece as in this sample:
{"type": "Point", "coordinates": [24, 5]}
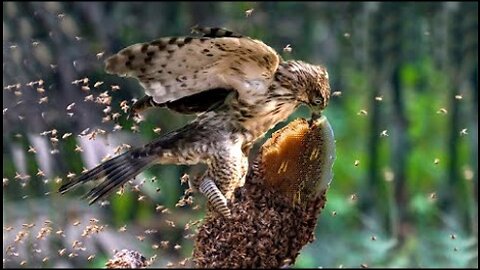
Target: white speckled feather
{"type": "Point", "coordinates": [172, 68]}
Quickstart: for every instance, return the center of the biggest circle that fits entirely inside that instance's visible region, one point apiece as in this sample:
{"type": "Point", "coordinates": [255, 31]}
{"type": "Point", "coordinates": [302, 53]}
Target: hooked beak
{"type": "Point", "coordinates": [315, 116]}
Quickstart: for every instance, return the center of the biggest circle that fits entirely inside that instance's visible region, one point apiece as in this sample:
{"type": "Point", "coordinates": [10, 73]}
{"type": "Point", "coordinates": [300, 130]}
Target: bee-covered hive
{"type": "Point", "coordinates": [274, 215]}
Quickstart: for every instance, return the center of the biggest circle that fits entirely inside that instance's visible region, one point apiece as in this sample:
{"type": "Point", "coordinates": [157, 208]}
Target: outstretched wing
{"type": "Point", "coordinates": [172, 68]}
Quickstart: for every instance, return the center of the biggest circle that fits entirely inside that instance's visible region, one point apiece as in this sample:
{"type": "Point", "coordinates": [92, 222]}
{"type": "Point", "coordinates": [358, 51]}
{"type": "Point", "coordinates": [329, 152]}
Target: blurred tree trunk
{"type": "Point", "coordinates": [400, 152]}
{"type": "Point", "coordinates": [271, 23]}
{"type": "Point", "coordinates": [407, 49]}
{"type": "Point", "coordinates": [307, 34]}
{"type": "Point", "coordinates": [456, 197]}
{"type": "Point", "coordinates": [472, 55]}
{"type": "Point", "coordinates": [386, 54]}
{"type": "Point", "coordinates": [474, 154]}
{"type": "Point", "coordinates": [453, 175]}
{"type": "Point", "coordinates": [199, 14]}
{"type": "Point", "coordinates": [173, 18]}
{"type": "Point", "coordinates": [375, 198]}
{"type": "Point", "coordinates": [22, 70]}
{"type": "Point", "coordinates": [94, 15]}
{"type": "Point", "coordinates": [369, 191]}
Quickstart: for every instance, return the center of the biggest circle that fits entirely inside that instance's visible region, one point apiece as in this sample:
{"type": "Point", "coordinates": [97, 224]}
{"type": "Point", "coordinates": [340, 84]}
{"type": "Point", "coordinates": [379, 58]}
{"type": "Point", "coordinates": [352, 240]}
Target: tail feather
{"type": "Point", "coordinates": [116, 172]}
{"type": "Point", "coordinates": [98, 172]}
{"type": "Point", "coordinates": [108, 181]}
{"type": "Point", "coordinates": [112, 182]}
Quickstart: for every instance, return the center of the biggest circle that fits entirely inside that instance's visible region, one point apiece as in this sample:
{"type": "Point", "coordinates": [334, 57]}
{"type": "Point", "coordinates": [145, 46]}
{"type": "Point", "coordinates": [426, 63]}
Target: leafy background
{"type": "Point", "coordinates": [405, 117]}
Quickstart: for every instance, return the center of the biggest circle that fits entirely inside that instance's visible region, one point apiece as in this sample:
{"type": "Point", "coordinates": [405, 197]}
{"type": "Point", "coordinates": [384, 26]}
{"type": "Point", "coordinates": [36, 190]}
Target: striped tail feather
{"type": "Point", "coordinates": [116, 172]}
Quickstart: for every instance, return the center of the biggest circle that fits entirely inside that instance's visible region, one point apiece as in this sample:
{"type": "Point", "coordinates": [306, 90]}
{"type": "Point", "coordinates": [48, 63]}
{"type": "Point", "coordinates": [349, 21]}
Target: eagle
{"type": "Point", "coordinates": [238, 87]}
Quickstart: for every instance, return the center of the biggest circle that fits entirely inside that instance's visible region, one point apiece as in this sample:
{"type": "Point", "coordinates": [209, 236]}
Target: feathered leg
{"type": "Point", "coordinates": [227, 171]}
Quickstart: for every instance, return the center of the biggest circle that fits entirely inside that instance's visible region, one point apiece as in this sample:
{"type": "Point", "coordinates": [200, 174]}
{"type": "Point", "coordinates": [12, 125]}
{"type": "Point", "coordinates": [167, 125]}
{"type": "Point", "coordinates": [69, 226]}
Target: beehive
{"type": "Point", "coordinates": [274, 215]}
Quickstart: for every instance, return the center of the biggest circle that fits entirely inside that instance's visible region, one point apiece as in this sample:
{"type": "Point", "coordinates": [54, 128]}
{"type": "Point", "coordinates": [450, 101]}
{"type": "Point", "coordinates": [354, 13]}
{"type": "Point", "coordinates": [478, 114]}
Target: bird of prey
{"type": "Point", "coordinates": [238, 87]}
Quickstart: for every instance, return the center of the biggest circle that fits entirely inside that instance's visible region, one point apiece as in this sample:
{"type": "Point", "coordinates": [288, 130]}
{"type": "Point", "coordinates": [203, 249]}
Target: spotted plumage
{"type": "Point", "coordinates": [239, 88]}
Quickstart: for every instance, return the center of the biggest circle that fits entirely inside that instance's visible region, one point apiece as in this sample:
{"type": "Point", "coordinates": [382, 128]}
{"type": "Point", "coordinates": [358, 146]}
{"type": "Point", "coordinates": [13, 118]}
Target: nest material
{"type": "Point", "coordinates": [274, 215]}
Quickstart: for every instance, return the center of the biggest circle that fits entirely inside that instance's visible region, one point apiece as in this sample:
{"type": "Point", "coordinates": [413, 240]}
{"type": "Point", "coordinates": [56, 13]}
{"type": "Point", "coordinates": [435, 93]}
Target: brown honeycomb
{"type": "Point", "coordinates": [280, 158]}
{"type": "Point", "coordinates": [297, 160]}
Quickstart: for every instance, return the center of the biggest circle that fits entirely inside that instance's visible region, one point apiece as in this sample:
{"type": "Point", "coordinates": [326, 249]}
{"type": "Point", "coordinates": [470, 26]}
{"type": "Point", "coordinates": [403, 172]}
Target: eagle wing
{"type": "Point", "coordinates": [172, 68]}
